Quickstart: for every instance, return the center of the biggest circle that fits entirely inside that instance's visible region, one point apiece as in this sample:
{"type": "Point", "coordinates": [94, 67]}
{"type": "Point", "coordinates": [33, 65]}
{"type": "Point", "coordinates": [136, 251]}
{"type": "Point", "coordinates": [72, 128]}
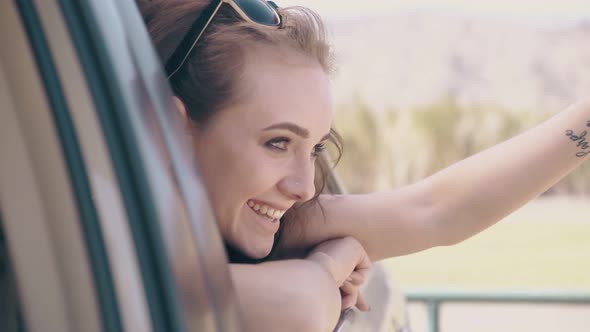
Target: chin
{"type": "Point", "coordinates": [258, 250]}
{"type": "Point", "coordinates": [254, 247]}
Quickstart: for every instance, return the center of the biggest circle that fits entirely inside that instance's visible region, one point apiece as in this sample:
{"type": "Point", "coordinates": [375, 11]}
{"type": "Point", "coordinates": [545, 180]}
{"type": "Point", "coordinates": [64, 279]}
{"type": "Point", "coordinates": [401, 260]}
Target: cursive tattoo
{"type": "Point", "coordinates": [581, 140]}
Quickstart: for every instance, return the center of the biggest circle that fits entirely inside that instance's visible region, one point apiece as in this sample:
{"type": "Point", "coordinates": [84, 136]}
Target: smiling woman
{"type": "Point", "coordinates": [230, 105]}
{"type": "Point", "coordinates": [252, 84]}
{"type": "Point", "coordinates": [258, 110]}
{"type": "Point", "coordinates": [265, 156]}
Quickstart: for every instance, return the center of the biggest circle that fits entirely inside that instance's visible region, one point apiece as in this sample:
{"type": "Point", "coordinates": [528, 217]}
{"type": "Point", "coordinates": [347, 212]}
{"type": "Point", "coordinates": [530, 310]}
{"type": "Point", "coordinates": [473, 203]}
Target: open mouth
{"type": "Point", "coordinates": [265, 210]}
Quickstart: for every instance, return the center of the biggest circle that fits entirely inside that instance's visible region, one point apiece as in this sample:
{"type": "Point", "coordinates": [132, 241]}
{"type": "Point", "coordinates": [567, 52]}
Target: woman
{"type": "Point", "coordinates": [252, 82]}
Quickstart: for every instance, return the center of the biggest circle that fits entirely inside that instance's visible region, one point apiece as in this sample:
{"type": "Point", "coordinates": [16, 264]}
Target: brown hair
{"type": "Point", "coordinates": [209, 80]}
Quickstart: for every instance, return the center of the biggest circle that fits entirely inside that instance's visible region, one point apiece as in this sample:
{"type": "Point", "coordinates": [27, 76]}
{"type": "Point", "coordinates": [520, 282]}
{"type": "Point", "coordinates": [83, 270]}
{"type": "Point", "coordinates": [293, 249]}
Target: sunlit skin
{"type": "Point", "coordinates": [263, 148]}
{"type": "Point", "coordinates": [260, 149]}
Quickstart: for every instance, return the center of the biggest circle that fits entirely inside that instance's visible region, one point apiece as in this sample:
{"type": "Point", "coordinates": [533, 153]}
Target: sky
{"type": "Point", "coordinates": [543, 11]}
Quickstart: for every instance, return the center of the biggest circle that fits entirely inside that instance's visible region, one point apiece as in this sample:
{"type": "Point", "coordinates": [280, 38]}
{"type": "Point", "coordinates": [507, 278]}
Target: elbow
{"type": "Point", "coordinates": [448, 232]}
{"type": "Point", "coordinates": [434, 213]}
{"type": "Point", "coordinates": [441, 231]}
{"type": "Point", "coordinates": [449, 241]}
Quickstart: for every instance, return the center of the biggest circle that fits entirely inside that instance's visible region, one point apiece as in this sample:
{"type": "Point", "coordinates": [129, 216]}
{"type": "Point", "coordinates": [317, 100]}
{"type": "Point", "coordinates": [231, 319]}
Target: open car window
{"type": "Point", "coordinates": [110, 171]}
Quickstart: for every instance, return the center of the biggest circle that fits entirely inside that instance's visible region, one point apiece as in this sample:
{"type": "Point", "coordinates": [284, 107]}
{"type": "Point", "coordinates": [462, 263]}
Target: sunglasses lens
{"type": "Point", "coordinates": [259, 11]}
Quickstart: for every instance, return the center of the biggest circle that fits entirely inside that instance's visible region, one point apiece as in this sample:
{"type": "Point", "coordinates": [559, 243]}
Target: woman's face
{"type": "Point", "coordinates": [257, 157]}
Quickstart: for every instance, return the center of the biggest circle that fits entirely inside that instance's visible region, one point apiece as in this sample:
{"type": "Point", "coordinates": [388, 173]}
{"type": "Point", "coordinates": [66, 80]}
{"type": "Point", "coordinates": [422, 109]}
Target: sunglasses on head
{"type": "Point", "coordinates": [253, 11]}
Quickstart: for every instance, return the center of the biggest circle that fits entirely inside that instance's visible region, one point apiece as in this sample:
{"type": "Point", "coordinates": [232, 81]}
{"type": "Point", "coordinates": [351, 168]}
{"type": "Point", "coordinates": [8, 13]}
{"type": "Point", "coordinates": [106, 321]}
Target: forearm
{"type": "Point", "coordinates": [290, 295]}
{"type": "Point", "coordinates": [474, 193]}
{"type": "Point", "coordinates": [457, 202]}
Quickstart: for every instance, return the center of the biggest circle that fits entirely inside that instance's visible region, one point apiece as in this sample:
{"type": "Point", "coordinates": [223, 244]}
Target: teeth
{"type": "Point", "coordinates": [265, 210]}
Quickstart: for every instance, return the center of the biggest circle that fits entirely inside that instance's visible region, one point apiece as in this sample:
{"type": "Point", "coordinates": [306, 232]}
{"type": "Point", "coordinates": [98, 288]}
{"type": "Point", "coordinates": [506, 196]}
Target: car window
{"type": "Point", "coordinates": [125, 182]}
{"type": "Point", "coordinates": [40, 215]}
{"type": "Point", "coordinates": [165, 201]}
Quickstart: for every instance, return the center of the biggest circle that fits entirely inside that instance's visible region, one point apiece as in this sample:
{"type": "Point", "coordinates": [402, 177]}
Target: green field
{"type": "Point", "coordinates": [544, 245]}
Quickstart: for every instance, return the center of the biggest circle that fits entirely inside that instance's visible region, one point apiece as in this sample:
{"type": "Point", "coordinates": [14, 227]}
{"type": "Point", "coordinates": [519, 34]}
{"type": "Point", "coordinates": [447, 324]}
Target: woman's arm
{"type": "Point", "coordinates": [291, 295]}
{"type": "Point", "coordinates": [459, 201]}
{"type": "Point", "coordinates": [300, 294]}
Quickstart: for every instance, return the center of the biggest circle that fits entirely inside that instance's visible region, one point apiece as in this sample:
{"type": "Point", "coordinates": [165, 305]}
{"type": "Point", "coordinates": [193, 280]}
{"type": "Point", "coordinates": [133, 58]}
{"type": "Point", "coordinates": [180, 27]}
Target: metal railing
{"type": "Point", "coordinates": [433, 298]}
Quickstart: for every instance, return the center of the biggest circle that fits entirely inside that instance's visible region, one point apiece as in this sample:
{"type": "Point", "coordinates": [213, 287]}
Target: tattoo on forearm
{"type": "Point", "coordinates": [581, 140]}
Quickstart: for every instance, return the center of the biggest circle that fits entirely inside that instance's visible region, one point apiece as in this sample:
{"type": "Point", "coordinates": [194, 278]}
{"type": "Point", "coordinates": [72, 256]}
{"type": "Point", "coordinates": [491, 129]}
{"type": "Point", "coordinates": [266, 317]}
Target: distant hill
{"type": "Point", "coordinates": [407, 60]}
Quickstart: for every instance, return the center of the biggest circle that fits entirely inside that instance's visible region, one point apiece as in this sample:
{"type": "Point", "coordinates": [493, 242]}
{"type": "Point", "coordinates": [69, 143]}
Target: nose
{"type": "Point", "coordinates": [299, 184]}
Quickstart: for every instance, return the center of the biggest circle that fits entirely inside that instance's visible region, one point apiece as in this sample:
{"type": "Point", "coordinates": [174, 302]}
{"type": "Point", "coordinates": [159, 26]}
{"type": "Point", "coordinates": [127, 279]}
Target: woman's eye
{"type": "Point", "coordinates": [317, 149]}
{"type": "Point", "coordinates": [279, 143]}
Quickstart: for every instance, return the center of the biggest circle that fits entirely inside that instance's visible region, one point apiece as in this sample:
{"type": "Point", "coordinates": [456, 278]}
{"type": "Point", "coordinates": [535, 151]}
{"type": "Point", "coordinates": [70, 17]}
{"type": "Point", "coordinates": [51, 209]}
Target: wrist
{"type": "Point", "coordinates": [325, 262]}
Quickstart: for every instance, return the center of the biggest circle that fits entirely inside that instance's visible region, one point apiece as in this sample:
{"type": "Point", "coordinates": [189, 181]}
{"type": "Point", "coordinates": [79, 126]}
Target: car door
{"type": "Point", "coordinates": [106, 225]}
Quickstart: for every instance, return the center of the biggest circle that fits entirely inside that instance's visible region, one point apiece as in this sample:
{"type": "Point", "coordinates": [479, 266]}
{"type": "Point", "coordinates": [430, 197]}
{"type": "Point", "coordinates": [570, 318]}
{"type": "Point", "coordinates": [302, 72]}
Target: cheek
{"type": "Point", "coordinates": [255, 172]}
{"type": "Point", "coordinates": [237, 173]}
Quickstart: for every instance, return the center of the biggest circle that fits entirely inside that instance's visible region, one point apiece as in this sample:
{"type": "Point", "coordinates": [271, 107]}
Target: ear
{"type": "Point", "coordinates": [180, 108]}
{"type": "Point", "coordinates": [189, 126]}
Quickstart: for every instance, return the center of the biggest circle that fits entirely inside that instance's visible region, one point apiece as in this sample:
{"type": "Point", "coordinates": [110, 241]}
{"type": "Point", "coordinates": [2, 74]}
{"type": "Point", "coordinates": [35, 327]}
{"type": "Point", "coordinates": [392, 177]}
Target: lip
{"type": "Point", "coordinates": [271, 226]}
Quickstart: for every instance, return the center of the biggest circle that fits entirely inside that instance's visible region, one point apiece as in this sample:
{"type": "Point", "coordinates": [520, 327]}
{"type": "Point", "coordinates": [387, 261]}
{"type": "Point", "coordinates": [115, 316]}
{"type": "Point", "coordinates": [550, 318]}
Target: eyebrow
{"type": "Point", "coordinates": [297, 130]}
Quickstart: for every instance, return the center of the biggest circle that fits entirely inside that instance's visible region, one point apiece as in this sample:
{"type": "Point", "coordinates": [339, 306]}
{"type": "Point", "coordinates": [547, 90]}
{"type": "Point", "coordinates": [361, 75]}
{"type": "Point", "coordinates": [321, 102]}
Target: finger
{"type": "Point", "coordinates": [357, 277]}
{"type": "Point", "coordinates": [348, 287]}
{"type": "Point", "coordinates": [364, 263]}
{"type": "Point", "coordinates": [361, 304]}
{"type": "Point", "coordinates": [362, 275]}
{"type": "Point", "coordinates": [348, 300]}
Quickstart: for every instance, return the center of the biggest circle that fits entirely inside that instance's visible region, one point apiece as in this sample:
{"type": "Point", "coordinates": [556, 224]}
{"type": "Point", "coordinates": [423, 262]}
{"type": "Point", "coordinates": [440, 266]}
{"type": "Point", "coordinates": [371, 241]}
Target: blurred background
{"type": "Point", "coordinates": [422, 84]}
